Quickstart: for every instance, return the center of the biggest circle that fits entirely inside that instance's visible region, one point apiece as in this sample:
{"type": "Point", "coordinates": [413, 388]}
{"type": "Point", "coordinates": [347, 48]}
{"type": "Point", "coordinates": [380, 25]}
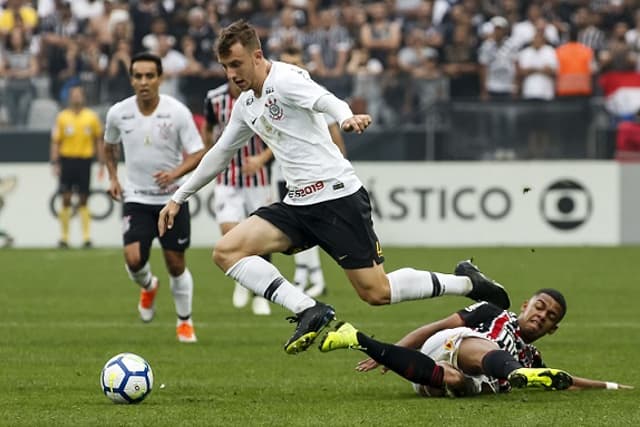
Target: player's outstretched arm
{"type": "Point", "coordinates": [586, 383]}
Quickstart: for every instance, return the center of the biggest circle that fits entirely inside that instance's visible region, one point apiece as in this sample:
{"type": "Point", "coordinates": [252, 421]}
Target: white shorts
{"type": "Point", "coordinates": [232, 204]}
{"type": "Point", "coordinates": [443, 346]}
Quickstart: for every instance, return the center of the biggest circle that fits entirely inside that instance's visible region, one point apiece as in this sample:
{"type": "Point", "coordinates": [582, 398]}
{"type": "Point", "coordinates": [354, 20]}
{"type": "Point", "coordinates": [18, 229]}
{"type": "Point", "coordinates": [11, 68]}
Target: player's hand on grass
{"type": "Point", "coordinates": [369, 365]}
{"type": "Point", "coordinates": [357, 123]}
{"type": "Point", "coordinates": [166, 217]}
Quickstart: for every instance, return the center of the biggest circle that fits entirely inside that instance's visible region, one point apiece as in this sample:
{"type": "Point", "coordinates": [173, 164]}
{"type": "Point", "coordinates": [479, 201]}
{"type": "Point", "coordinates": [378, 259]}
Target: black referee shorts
{"type": "Point", "coordinates": [342, 227]}
{"type": "Point", "coordinates": [75, 175]}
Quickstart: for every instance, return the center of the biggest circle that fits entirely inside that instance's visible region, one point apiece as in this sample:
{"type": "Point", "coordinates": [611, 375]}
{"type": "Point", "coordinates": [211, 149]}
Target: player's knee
{"type": "Point", "coordinates": [134, 262]}
{"type": "Point", "coordinates": [223, 256]}
{"type": "Point", "coordinates": [373, 297]}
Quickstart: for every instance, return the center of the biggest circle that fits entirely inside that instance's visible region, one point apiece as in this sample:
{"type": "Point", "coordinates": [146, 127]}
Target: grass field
{"type": "Point", "coordinates": [64, 313]}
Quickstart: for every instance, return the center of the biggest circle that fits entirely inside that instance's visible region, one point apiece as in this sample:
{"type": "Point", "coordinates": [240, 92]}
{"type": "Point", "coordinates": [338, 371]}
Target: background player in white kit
{"type": "Point", "coordinates": [326, 204]}
{"type": "Point", "coordinates": [243, 186]}
{"type": "Point", "coordinates": [161, 144]}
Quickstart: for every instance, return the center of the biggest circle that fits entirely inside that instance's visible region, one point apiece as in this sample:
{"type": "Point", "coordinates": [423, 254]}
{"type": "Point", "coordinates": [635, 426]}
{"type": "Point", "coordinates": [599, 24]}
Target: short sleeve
{"type": "Point", "coordinates": [300, 89]}
{"type": "Point", "coordinates": [111, 129]}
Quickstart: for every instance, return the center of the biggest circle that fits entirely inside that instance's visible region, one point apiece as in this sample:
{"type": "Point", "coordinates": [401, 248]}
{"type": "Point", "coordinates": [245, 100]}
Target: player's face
{"type": "Point", "coordinates": [145, 80]}
{"type": "Point", "coordinates": [540, 316]}
{"type": "Point", "coordinates": [240, 66]}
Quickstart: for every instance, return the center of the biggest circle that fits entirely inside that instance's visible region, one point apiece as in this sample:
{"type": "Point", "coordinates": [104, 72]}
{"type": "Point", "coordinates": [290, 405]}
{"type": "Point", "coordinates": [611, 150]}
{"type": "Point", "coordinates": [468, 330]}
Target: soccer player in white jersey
{"type": "Point", "coordinates": [161, 144]}
{"type": "Point", "coordinates": [243, 186]}
{"type": "Point", "coordinates": [326, 204]}
{"type": "Point", "coordinates": [480, 349]}
{"type": "Point", "coordinates": [308, 274]}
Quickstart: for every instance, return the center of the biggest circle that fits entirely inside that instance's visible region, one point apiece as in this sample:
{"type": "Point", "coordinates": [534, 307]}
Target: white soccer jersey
{"type": "Point", "coordinates": [151, 144]}
{"type": "Point", "coordinates": [283, 117]}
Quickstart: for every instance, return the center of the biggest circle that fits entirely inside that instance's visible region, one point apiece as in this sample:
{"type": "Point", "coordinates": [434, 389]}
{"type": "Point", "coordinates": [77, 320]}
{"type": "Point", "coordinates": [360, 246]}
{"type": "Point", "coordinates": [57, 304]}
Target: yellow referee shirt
{"type": "Point", "coordinates": [76, 133]}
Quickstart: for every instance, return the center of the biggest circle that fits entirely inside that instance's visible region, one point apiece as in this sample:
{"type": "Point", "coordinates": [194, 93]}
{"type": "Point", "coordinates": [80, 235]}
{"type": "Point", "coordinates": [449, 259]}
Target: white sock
{"type": "Point", "coordinates": [182, 290]}
{"type": "Point", "coordinates": [142, 277]}
{"type": "Point", "coordinates": [263, 278]}
{"type": "Point", "coordinates": [409, 284]}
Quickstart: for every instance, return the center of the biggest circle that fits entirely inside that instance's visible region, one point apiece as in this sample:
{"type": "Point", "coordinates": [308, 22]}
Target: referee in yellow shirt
{"type": "Point", "coordinates": [76, 139]}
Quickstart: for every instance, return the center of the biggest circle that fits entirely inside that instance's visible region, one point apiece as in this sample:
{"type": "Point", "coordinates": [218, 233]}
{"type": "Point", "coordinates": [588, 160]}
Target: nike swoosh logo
{"type": "Point", "coordinates": [253, 122]}
{"type": "Point", "coordinates": [183, 241]}
{"type": "Point", "coordinates": [128, 130]}
{"type": "Point", "coordinates": [340, 258]}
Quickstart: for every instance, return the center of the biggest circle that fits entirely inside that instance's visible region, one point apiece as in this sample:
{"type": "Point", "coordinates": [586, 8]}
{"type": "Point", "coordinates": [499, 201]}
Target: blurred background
{"type": "Point", "coordinates": [445, 80]}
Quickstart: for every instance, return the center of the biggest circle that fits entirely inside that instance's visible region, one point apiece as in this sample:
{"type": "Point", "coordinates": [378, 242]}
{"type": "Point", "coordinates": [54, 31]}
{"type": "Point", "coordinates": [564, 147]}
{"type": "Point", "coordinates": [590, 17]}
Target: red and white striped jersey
{"type": "Point", "coordinates": [501, 326]}
{"type": "Point", "coordinates": [217, 110]}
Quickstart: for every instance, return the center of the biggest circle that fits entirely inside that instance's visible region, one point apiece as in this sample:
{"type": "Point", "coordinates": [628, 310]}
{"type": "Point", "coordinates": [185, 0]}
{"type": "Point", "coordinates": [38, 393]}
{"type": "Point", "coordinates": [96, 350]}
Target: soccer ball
{"type": "Point", "coordinates": [126, 378]}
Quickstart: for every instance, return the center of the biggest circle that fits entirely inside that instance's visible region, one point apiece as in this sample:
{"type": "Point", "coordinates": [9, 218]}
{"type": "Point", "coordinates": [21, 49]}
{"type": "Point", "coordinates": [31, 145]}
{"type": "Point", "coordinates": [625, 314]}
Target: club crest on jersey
{"type": "Point", "coordinates": [165, 129]}
{"type": "Point", "coordinates": [275, 111]}
{"type": "Point", "coordinates": [249, 101]}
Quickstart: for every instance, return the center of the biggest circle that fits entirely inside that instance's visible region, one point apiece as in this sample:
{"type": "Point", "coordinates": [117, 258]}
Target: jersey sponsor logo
{"type": "Point", "coordinates": [269, 90]}
{"type": "Point", "coordinates": [275, 111]}
{"type": "Point", "coordinates": [164, 115]}
{"type": "Point", "coordinates": [298, 193]}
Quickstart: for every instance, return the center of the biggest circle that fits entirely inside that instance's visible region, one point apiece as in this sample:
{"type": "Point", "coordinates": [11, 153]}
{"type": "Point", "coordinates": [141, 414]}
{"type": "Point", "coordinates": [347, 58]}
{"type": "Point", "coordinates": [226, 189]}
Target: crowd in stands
{"type": "Point", "coordinates": [392, 58]}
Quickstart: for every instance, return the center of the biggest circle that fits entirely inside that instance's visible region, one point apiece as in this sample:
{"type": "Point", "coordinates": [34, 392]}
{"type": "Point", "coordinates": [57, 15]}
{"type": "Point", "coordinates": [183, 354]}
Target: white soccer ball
{"type": "Point", "coordinates": [126, 378]}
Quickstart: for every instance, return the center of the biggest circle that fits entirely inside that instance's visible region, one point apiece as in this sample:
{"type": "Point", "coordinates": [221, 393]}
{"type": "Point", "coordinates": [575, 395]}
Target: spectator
{"type": "Point", "coordinates": [286, 33]}
{"type": "Point", "coordinates": [91, 67]}
{"type": "Point", "coordinates": [57, 38]}
{"type": "Point", "coordinates": [537, 65]}
{"type": "Point", "coordinates": [159, 28]}
{"type": "Point", "coordinates": [99, 26]}
{"type": "Point", "coordinates": [265, 18]}
{"type": "Point", "coordinates": [576, 65]}
{"type": "Point", "coordinates": [18, 65]}
{"type": "Point", "coordinates": [587, 23]}
{"type": "Point", "coordinates": [628, 140]}
{"type": "Point", "coordinates": [524, 31]}
{"type": "Point", "coordinates": [460, 63]}
{"type": "Point", "coordinates": [366, 73]}
{"type": "Point", "coordinates": [202, 35]}
{"type": "Point", "coordinates": [118, 86]}
{"type": "Point", "coordinates": [329, 47]}
{"type": "Point", "coordinates": [192, 81]}
{"type": "Point", "coordinates": [27, 17]}
{"type": "Point", "coordinates": [382, 34]}
{"type": "Point", "coordinates": [143, 13]}
{"type": "Point", "coordinates": [618, 55]}
{"type": "Point", "coordinates": [497, 56]}
{"type": "Point", "coordinates": [173, 64]}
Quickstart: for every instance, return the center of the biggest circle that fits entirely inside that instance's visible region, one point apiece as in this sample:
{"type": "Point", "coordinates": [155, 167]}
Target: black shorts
{"type": "Point", "coordinates": [140, 224]}
{"type": "Point", "coordinates": [342, 227]}
{"type": "Point", "coordinates": [75, 175]}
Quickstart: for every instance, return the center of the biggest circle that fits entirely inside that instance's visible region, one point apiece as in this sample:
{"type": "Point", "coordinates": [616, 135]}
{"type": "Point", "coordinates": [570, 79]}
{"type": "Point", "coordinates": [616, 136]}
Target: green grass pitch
{"type": "Point", "coordinates": [64, 313]}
